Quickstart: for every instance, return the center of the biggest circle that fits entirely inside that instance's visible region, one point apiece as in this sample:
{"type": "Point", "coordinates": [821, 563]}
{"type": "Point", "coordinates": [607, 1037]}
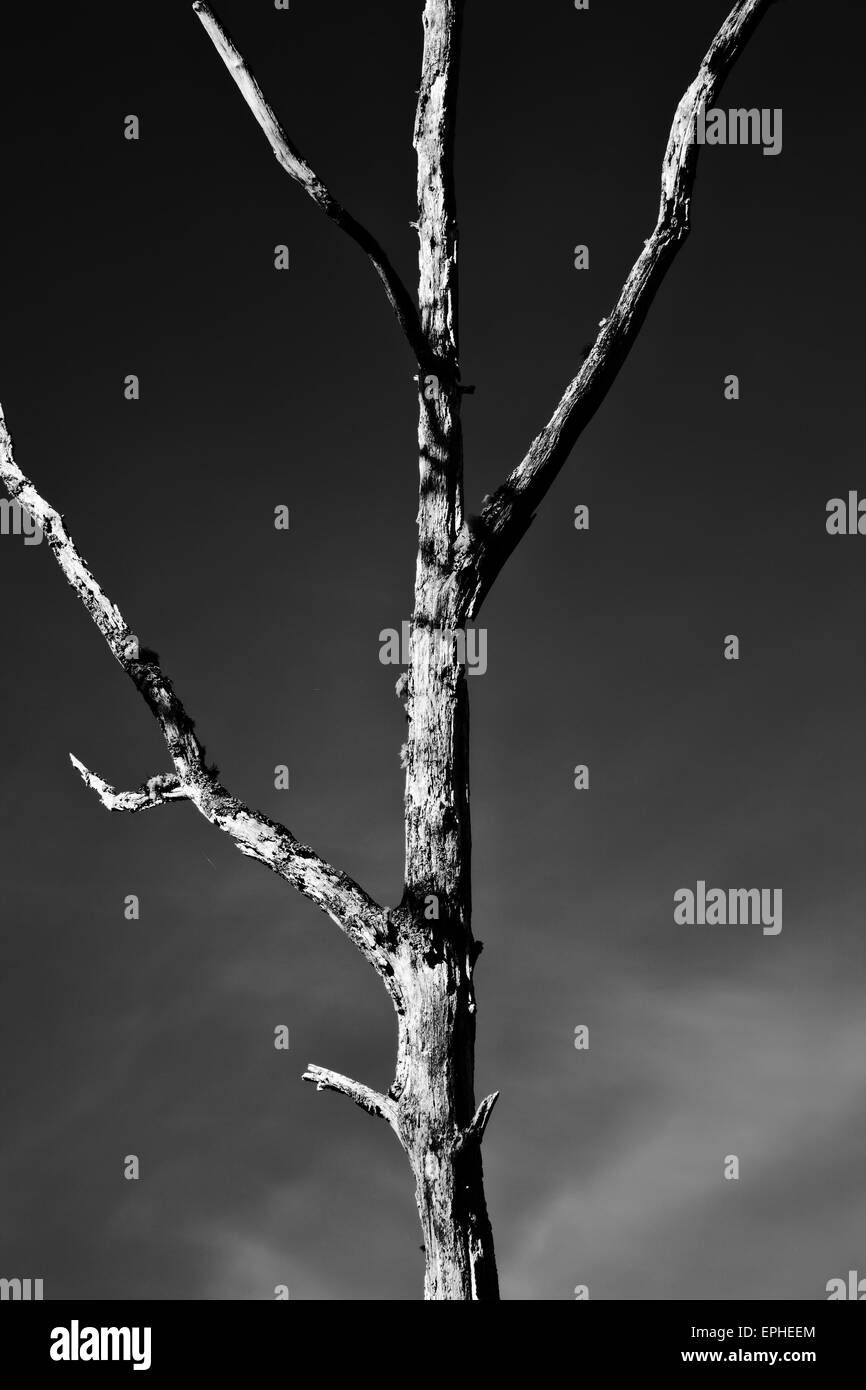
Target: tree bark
{"type": "Point", "coordinates": [436, 1114]}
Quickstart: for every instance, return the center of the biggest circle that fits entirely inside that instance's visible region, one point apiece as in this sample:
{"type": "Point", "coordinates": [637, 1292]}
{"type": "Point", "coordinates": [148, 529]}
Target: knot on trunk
{"type": "Point", "coordinates": [474, 1131]}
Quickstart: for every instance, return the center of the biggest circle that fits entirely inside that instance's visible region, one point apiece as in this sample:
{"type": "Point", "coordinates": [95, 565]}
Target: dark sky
{"type": "Point", "coordinates": [707, 518]}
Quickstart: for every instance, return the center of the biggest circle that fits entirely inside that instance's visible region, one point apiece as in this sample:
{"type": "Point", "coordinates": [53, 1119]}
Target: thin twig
{"type": "Point", "coordinates": [368, 1099]}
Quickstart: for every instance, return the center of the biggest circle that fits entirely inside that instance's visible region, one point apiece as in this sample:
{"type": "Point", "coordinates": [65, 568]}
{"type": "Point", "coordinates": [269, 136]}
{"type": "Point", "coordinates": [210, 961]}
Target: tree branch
{"type": "Point", "coordinates": [297, 168]}
{"type": "Point", "coordinates": [368, 1099]}
{"type": "Point", "coordinates": [254, 834]}
{"type": "Point", "coordinates": [508, 513]}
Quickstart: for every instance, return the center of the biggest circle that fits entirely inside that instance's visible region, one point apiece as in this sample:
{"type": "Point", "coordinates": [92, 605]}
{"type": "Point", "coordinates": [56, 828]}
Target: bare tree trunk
{"type": "Point", "coordinates": [436, 953]}
{"type": "Point", "coordinates": [437, 1119]}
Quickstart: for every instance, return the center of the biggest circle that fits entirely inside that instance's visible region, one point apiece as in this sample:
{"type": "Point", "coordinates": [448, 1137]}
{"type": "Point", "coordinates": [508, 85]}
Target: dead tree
{"type": "Point", "coordinates": [422, 949]}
